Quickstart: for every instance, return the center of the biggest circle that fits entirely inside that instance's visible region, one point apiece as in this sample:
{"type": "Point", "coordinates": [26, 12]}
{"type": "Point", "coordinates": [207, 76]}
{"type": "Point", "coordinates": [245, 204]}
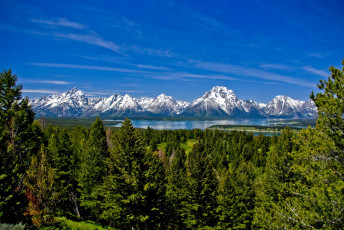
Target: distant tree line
{"type": "Point", "coordinates": [171, 179]}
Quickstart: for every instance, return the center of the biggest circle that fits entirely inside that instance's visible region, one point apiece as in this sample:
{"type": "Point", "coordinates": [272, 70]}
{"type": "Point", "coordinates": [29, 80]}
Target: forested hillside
{"type": "Point", "coordinates": [97, 178]}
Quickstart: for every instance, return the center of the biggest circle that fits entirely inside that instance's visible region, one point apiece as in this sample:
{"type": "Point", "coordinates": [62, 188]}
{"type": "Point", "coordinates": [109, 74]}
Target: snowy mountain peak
{"type": "Point", "coordinates": [222, 90]}
{"type": "Point", "coordinates": [219, 88]}
{"type": "Point", "coordinates": [286, 106]}
{"type": "Point", "coordinates": [282, 98]}
{"type": "Point", "coordinates": [164, 96]}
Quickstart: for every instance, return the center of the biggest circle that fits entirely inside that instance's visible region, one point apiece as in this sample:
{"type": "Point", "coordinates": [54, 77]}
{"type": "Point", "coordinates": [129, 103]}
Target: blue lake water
{"type": "Point", "coordinates": [155, 124]}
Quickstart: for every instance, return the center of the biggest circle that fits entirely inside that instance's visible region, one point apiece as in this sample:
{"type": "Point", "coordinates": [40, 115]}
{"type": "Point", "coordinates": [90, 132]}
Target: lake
{"type": "Point", "coordinates": [163, 124]}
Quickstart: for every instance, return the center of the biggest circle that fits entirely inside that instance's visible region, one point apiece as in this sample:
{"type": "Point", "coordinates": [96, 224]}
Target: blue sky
{"type": "Point", "coordinates": [181, 48]}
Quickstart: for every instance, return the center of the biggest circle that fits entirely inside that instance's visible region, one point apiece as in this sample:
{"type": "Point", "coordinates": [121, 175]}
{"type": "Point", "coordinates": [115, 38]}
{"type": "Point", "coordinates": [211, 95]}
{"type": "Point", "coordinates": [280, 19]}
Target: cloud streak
{"type": "Point", "coordinates": [182, 76]}
{"type": "Point", "coordinates": [50, 82]}
{"type": "Point", "coordinates": [88, 67]}
{"type": "Point", "coordinates": [60, 22]}
{"type": "Point", "coordinates": [249, 72]}
{"type": "Point", "coordinates": [319, 72]}
{"type": "Point", "coordinates": [90, 39]}
{"type": "Point", "coordinates": [275, 66]}
{"type": "Point", "coordinates": [87, 36]}
{"type": "Point", "coordinates": [39, 91]}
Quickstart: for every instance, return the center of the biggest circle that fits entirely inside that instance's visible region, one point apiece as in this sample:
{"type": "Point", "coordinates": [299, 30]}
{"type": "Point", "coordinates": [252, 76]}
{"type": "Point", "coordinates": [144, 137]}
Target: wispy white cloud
{"type": "Point", "coordinates": [90, 67]}
{"type": "Point", "coordinates": [119, 61]}
{"type": "Point", "coordinates": [83, 34]}
{"type": "Point", "coordinates": [249, 72]}
{"type": "Point", "coordinates": [97, 93]}
{"type": "Point", "coordinates": [108, 93]}
{"type": "Point", "coordinates": [319, 72]}
{"type": "Point", "coordinates": [90, 39]}
{"type": "Point", "coordinates": [152, 52]}
{"type": "Point", "coordinates": [49, 82]}
{"type": "Point", "coordinates": [39, 91]}
{"type": "Point", "coordinates": [151, 67]}
{"type": "Point", "coordinates": [63, 76]}
{"type": "Point", "coordinates": [60, 22]}
{"type": "Point", "coordinates": [189, 76]}
{"type": "Point", "coordinates": [316, 55]}
{"type": "Point", "coordinates": [275, 66]}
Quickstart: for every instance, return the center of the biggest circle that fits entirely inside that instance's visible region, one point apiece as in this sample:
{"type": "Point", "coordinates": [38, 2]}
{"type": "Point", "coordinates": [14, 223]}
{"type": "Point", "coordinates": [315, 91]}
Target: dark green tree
{"type": "Point", "coordinates": [199, 208]}
{"type": "Point", "coordinates": [66, 162]}
{"type": "Point", "coordinates": [133, 191]}
{"type": "Point", "coordinates": [176, 188]}
{"type": "Point", "coordinates": [237, 198]}
{"type": "Point", "coordinates": [330, 104]}
{"type": "Point", "coordinates": [20, 139]}
{"type": "Point", "coordinates": [93, 169]}
{"type": "Point", "coordinates": [317, 196]}
{"type": "Point", "coordinates": [272, 187]}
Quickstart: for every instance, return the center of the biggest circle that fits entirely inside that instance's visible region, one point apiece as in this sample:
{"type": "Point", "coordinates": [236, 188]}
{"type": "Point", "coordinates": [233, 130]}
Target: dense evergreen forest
{"type": "Point", "coordinates": [97, 178]}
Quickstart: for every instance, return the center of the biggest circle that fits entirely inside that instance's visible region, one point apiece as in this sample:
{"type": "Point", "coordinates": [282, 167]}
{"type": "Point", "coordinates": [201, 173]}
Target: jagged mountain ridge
{"type": "Point", "coordinates": [218, 102]}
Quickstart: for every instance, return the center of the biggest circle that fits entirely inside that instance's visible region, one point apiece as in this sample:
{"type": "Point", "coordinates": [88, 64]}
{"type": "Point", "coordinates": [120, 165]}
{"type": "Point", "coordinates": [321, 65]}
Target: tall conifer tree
{"type": "Point", "coordinates": [20, 139]}
{"type": "Point", "coordinates": [93, 169]}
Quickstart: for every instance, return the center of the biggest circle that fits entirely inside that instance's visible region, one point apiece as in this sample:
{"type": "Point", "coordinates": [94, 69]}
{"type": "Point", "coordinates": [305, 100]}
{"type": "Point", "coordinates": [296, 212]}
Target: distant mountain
{"type": "Point", "coordinates": [71, 103]}
{"type": "Point", "coordinates": [218, 102]}
{"type": "Point", "coordinates": [166, 106]}
{"type": "Point", "coordinates": [283, 106]}
{"type": "Point", "coordinates": [222, 102]}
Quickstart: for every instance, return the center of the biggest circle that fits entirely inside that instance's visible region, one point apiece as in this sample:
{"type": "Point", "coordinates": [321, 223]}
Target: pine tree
{"type": "Point", "coordinates": [64, 159]}
{"type": "Point", "coordinates": [272, 187]}
{"type": "Point", "coordinates": [317, 197]}
{"type": "Point", "coordinates": [199, 209]}
{"type": "Point", "coordinates": [133, 191]}
{"type": "Point", "coordinates": [20, 139]}
{"type": "Point", "coordinates": [93, 169]}
{"type": "Point", "coordinates": [237, 198]}
{"type": "Point", "coordinates": [123, 186]}
{"type": "Point", "coordinates": [330, 104]}
{"type": "Point", "coordinates": [176, 188]}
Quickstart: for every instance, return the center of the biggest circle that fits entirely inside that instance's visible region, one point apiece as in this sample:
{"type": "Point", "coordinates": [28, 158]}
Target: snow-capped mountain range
{"type": "Point", "coordinates": [218, 102]}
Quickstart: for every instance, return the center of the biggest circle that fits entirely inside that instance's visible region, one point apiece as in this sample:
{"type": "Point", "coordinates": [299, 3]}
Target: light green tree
{"type": "Point", "coordinates": [39, 190]}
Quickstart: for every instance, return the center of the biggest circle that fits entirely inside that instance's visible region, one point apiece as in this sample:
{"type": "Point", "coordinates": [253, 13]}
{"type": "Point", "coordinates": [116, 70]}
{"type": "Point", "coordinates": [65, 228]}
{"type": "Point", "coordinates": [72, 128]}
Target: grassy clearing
{"type": "Point", "coordinates": [187, 146]}
{"type": "Point", "coordinates": [85, 225]}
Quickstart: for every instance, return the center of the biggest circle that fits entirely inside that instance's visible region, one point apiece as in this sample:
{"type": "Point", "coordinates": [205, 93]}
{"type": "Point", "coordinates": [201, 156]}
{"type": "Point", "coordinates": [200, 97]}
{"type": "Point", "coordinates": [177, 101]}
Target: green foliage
{"type": "Point", "coordinates": [176, 192]}
{"type": "Point", "coordinates": [330, 104]}
{"type": "Point", "coordinates": [133, 191]}
{"type": "Point", "coordinates": [66, 161]}
{"type": "Point", "coordinates": [65, 223]}
{"type": "Point", "coordinates": [93, 168]}
{"type": "Point", "coordinates": [20, 139]}
{"type": "Point", "coordinates": [39, 189]}
{"type": "Point", "coordinates": [200, 204]}
{"type": "Point", "coordinates": [316, 198]}
{"type": "Point", "coordinates": [272, 186]}
{"type": "Point", "coordinates": [237, 198]}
